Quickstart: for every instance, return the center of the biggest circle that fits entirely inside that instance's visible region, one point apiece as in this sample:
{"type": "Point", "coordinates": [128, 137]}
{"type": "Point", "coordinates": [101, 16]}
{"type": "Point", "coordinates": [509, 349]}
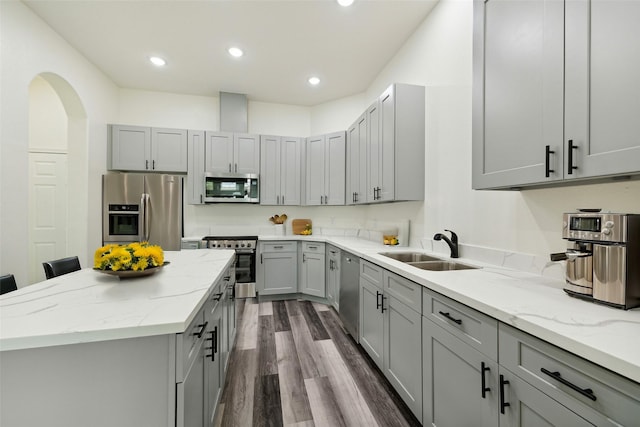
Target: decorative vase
{"type": "Point", "coordinates": [279, 229]}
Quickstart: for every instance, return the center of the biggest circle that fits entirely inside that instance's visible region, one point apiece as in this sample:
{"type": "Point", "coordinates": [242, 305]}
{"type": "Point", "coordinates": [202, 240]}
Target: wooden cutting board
{"type": "Point", "coordinates": [298, 225]}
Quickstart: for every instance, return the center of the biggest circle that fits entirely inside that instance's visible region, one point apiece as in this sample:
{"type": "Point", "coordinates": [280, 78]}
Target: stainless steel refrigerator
{"type": "Point", "coordinates": [142, 207]}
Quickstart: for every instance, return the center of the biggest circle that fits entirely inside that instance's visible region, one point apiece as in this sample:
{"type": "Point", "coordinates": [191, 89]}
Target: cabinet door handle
{"type": "Point", "coordinates": [277, 200]}
{"type": "Point", "coordinates": [201, 198]}
{"type": "Point", "coordinates": [283, 200]}
{"type": "Point", "coordinates": [547, 161]}
{"type": "Point", "coordinates": [229, 167]}
{"type": "Point", "coordinates": [213, 354]}
{"type": "Point", "coordinates": [217, 296]}
{"type": "Point", "coordinates": [503, 404]}
{"type": "Point", "coordinates": [215, 339]}
{"type": "Point", "coordinates": [261, 259]}
{"type": "Point", "coordinates": [304, 258]}
{"type": "Point", "coordinates": [382, 308]}
{"type": "Point", "coordinates": [378, 304]}
{"type": "Point", "coordinates": [236, 167]}
{"type": "Point", "coordinates": [146, 164]}
{"type": "Point", "coordinates": [485, 389]}
{"type": "Point", "coordinates": [153, 165]}
{"type": "Point", "coordinates": [448, 316]}
{"type": "Point", "coordinates": [202, 329]}
{"type": "Point", "coordinates": [587, 392]}
{"type": "Point", "coordinates": [570, 166]}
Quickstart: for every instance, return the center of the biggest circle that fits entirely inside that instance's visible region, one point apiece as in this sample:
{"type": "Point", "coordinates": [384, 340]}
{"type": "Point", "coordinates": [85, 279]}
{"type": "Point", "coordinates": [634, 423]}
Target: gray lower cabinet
{"type": "Point", "coordinates": [312, 269]}
{"type": "Point", "coordinates": [460, 383]}
{"type": "Point", "coordinates": [213, 368]}
{"type": "Point", "coordinates": [191, 381]}
{"type": "Point", "coordinates": [332, 275]}
{"type": "Point", "coordinates": [529, 407]}
{"type": "Point", "coordinates": [277, 268]}
{"type": "Point", "coordinates": [390, 332]}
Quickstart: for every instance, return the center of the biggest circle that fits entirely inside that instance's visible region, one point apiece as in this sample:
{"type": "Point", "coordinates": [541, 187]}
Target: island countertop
{"type": "Point", "coordinates": [86, 305]}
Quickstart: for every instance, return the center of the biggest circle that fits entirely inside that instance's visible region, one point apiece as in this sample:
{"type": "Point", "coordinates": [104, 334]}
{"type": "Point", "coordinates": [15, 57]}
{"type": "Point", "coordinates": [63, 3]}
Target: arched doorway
{"type": "Point", "coordinates": [57, 172]}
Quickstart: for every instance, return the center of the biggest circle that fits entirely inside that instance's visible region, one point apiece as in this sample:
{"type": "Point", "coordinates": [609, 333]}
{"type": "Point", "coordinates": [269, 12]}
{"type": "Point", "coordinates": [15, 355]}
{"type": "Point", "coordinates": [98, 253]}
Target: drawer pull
{"type": "Point", "coordinates": [312, 247]}
{"type": "Point", "coordinates": [202, 329]}
{"type": "Point", "coordinates": [448, 316]}
{"type": "Point", "coordinates": [278, 247]}
{"type": "Point", "coordinates": [503, 404]}
{"type": "Point", "coordinates": [217, 296]}
{"type": "Point", "coordinates": [485, 389]}
{"type": "Point", "coordinates": [587, 392]}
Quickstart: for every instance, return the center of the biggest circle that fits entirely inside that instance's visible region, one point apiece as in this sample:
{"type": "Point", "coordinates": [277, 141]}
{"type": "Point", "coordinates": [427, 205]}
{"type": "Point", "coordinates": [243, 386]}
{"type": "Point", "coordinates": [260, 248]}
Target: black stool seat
{"type": "Point", "coordinates": [7, 284]}
{"type": "Point", "coordinates": [61, 266]}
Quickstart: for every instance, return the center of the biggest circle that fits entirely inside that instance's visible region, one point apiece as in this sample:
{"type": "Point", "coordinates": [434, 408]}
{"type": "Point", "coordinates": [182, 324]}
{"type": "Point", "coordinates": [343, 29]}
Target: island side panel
{"type": "Point", "coordinates": [128, 382]}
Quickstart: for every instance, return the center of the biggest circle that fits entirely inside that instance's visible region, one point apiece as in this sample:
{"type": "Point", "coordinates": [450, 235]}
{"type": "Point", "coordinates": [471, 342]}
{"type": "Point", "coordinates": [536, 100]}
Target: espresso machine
{"type": "Point", "coordinates": [603, 257]}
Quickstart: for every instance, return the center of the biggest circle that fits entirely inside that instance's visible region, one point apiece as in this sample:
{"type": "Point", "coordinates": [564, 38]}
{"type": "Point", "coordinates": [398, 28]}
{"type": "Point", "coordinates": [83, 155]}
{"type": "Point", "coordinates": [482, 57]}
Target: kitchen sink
{"type": "Point", "coordinates": [442, 265]}
{"type": "Point", "coordinates": [409, 256]}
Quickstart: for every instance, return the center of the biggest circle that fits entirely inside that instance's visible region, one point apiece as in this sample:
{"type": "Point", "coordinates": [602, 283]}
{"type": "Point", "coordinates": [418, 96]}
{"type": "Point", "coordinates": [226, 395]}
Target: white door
{"type": "Point", "coordinates": [48, 220]}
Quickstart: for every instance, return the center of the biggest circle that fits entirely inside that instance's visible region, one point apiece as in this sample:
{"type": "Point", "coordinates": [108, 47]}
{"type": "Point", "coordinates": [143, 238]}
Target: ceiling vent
{"type": "Point", "coordinates": [233, 112]}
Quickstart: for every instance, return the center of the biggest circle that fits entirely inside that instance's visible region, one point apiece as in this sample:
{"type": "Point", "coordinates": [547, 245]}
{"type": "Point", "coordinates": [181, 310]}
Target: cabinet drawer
{"type": "Point", "coordinates": [476, 329]}
{"type": "Point", "coordinates": [188, 344]}
{"type": "Point", "coordinates": [371, 272]}
{"type": "Point", "coordinates": [616, 398]}
{"type": "Point", "coordinates": [312, 247]}
{"type": "Point", "coordinates": [404, 290]}
{"type": "Point", "coordinates": [278, 247]}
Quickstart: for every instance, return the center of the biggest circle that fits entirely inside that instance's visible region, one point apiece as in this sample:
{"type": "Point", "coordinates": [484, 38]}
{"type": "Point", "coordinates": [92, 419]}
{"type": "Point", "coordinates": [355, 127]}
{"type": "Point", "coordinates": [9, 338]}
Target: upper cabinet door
{"type": "Point", "coordinates": [219, 152]}
{"type": "Point", "coordinates": [315, 170]}
{"type": "Point", "coordinates": [374, 151]}
{"type": "Point", "coordinates": [517, 92]}
{"type": "Point", "coordinates": [168, 150]}
{"type": "Point", "coordinates": [335, 169]}
{"type": "Point", "coordinates": [290, 171]}
{"type": "Point", "coordinates": [246, 153]}
{"type": "Point", "coordinates": [195, 169]}
{"type": "Point", "coordinates": [270, 170]}
{"type": "Point", "coordinates": [386, 184]}
{"type": "Point", "coordinates": [602, 103]}
{"type": "Point", "coordinates": [130, 148]}
{"type": "Point", "coordinates": [356, 187]}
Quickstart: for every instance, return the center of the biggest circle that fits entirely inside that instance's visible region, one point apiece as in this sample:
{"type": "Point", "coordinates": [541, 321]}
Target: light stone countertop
{"type": "Point", "coordinates": [537, 305]}
{"type": "Point", "coordinates": [86, 305]}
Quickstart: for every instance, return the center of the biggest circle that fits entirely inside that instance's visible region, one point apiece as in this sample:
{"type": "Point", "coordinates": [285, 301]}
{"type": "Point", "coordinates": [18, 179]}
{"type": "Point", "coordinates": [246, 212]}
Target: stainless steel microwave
{"type": "Point", "coordinates": [231, 188]}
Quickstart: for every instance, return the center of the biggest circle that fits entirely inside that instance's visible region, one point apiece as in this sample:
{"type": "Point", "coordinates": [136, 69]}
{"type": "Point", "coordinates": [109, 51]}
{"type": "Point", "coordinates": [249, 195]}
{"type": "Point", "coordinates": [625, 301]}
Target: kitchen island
{"type": "Point", "coordinates": [87, 348]}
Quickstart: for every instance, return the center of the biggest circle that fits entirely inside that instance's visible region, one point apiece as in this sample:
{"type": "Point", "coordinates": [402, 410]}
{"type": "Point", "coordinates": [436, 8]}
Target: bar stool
{"type": "Point", "coordinates": [7, 284]}
{"type": "Point", "coordinates": [61, 266]}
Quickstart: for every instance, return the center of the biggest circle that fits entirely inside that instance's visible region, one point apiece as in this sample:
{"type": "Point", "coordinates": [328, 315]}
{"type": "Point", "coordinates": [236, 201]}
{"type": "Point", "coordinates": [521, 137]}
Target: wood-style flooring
{"type": "Point", "coordinates": [294, 365]}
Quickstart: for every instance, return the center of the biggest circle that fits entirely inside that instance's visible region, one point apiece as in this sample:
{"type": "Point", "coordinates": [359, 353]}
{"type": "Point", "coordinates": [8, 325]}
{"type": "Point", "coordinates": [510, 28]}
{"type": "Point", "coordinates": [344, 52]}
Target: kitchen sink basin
{"type": "Point", "coordinates": [442, 265]}
{"type": "Point", "coordinates": [409, 256]}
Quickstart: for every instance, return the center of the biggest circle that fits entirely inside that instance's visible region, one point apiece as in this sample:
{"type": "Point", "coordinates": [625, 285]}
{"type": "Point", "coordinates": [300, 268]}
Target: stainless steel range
{"type": "Point", "coordinates": [245, 247]}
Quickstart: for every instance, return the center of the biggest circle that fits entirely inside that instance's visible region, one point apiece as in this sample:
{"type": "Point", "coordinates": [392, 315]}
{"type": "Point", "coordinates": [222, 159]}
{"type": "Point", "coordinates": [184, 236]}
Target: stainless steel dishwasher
{"type": "Point", "coordinates": [349, 293]}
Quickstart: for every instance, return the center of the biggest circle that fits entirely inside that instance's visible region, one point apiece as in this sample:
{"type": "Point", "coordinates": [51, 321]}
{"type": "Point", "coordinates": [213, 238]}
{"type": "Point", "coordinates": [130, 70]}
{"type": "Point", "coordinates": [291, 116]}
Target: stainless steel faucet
{"type": "Point", "coordinates": [453, 242]}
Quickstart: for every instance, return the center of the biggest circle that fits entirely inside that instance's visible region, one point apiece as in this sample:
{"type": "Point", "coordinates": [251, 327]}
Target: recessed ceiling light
{"type": "Point", "coordinates": [235, 52]}
{"type": "Point", "coordinates": [157, 61]}
{"type": "Point", "coordinates": [345, 3]}
{"type": "Point", "coordinates": [314, 81]}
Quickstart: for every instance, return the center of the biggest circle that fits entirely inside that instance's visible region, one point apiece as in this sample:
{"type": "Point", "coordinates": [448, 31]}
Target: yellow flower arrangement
{"type": "Point", "coordinates": [134, 256]}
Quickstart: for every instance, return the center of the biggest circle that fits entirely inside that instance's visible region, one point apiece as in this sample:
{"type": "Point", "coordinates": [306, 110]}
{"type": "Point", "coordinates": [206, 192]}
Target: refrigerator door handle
{"type": "Point", "coordinates": [142, 222]}
{"type": "Point", "coordinates": [146, 215]}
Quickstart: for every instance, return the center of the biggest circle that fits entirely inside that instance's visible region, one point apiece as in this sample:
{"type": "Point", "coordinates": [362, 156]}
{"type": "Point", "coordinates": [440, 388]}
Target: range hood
{"type": "Point", "coordinates": [233, 112]}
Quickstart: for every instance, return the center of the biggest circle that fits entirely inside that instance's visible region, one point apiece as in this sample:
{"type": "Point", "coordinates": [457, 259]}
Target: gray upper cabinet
{"type": "Point", "coordinates": [325, 169]}
{"type": "Point", "coordinates": [280, 170]}
{"type": "Point", "coordinates": [554, 91]}
{"type": "Point", "coordinates": [195, 167]}
{"type": "Point", "coordinates": [137, 148]}
{"type": "Point", "coordinates": [227, 152]}
{"type": "Point", "coordinates": [357, 162]}
{"type": "Point", "coordinates": [602, 89]}
{"type": "Point", "coordinates": [517, 92]}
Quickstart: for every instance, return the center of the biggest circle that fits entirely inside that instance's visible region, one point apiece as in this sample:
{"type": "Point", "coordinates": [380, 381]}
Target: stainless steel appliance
{"type": "Point", "coordinates": [349, 293]}
{"type": "Point", "coordinates": [231, 188]}
{"type": "Point", "coordinates": [603, 258]}
{"type": "Point", "coordinates": [142, 207]}
{"type": "Point", "coordinates": [245, 265]}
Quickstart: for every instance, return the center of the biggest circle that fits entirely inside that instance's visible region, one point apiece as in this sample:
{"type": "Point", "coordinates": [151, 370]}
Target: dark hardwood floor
{"type": "Point", "coordinates": [294, 365]}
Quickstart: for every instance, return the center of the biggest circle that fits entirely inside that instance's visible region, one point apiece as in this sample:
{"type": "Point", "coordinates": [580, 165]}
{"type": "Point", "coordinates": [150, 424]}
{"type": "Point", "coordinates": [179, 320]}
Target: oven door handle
{"type": "Point", "coordinates": [245, 251]}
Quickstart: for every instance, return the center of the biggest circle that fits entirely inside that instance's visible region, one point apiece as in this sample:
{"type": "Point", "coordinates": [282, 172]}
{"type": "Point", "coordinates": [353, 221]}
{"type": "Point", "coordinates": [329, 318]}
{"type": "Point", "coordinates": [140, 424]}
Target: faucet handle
{"type": "Point", "coordinates": [454, 236]}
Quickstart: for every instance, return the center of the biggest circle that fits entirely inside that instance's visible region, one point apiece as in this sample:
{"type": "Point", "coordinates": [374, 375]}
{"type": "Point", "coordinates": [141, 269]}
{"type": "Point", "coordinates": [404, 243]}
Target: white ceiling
{"type": "Point", "coordinates": [285, 42]}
